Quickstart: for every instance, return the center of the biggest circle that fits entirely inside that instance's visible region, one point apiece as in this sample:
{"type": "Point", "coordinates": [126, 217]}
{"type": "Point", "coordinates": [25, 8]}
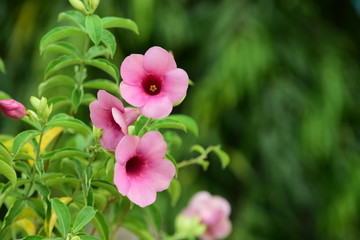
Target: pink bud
{"type": "Point", "coordinates": [12, 109]}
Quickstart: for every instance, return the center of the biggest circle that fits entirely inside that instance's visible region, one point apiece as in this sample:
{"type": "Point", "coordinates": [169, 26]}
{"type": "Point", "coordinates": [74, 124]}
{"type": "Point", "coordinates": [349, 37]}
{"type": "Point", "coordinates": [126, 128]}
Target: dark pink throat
{"type": "Point", "coordinates": [135, 166]}
{"type": "Point", "coordinates": [152, 85]}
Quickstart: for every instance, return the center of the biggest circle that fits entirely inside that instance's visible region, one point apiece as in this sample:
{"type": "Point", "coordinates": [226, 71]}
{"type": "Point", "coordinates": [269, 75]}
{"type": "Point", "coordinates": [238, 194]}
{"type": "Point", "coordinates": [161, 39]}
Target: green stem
{"type": "Point", "coordinates": [144, 128]}
{"type": "Point", "coordinates": [198, 160]}
{"type": "Point", "coordinates": [121, 220]}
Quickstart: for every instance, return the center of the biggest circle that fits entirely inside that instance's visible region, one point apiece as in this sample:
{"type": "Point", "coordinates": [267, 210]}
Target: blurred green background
{"type": "Point", "coordinates": [277, 83]}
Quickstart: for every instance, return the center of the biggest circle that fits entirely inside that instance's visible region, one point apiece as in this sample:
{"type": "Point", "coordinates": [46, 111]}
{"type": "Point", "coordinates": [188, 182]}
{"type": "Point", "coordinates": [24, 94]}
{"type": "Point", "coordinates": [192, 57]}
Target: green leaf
{"type": "Point", "coordinates": [2, 66]}
{"type": "Point", "coordinates": [108, 186]}
{"type": "Point", "coordinates": [63, 214]}
{"type": "Point", "coordinates": [23, 138]}
{"type": "Point", "coordinates": [13, 212]}
{"type": "Point", "coordinates": [56, 81]}
{"type": "Point", "coordinates": [73, 16]}
{"type": "Point", "coordinates": [106, 66]}
{"type": "Point", "coordinates": [62, 179]}
{"type": "Point", "coordinates": [8, 171]}
{"type": "Point", "coordinates": [4, 154]}
{"type": "Point", "coordinates": [224, 157]}
{"type": "Point", "coordinates": [102, 228]}
{"type": "Point", "coordinates": [88, 98]}
{"type": "Point", "coordinates": [64, 48]}
{"type": "Point", "coordinates": [189, 123]}
{"type": "Point", "coordinates": [37, 206]}
{"type": "Point", "coordinates": [22, 167]}
{"type": "Point", "coordinates": [34, 237]}
{"type": "Point", "coordinates": [96, 51]}
{"type": "Point", "coordinates": [198, 148]}
{"type": "Point", "coordinates": [84, 217]}
{"type": "Point", "coordinates": [59, 101]}
{"type": "Point", "coordinates": [61, 62]}
{"type": "Point", "coordinates": [172, 159]}
{"type": "Point", "coordinates": [103, 84]}
{"type": "Point", "coordinates": [109, 40]}
{"type": "Point", "coordinates": [154, 213]}
{"type": "Point", "coordinates": [139, 124]}
{"type": "Point", "coordinates": [94, 27]}
{"type": "Point", "coordinates": [116, 22]}
{"type": "Point", "coordinates": [65, 153]}
{"type": "Point", "coordinates": [64, 120]}
{"type": "Point", "coordinates": [87, 237]}
{"type": "Point", "coordinates": [168, 123]}
{"type": "Point", "coordinates": [76, 97]}
{"type": "Point", "coordinates": [58, 33]}
{"type": "Point", "coordinates": [175, 191]}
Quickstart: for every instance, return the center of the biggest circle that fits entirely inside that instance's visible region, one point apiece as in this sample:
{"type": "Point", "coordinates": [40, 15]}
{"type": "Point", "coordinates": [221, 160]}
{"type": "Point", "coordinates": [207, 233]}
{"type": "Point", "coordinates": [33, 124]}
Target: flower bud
{"type": "Point", "coordinates": [94, 4]}
{"type": "Point", "coordinates": [78, 4]}
{"type": "Point", "coordinates": [12, 109]}
{"type": "Point", "coordinates": [189, 227]}
{"type": "Point", "coordinates": [75, 238]}
{"type": "Point", "coordinates": [32, 115]}
{"type": "Point", "coordinates": [35, 102]}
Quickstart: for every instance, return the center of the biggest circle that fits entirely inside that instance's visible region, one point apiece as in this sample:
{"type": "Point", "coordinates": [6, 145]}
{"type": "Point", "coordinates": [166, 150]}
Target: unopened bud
{"type": "Point", "coordinates": [12, 109]}
{"type": "Point", "coordinates": [35, 102]}
{"type": "Point", "coordinates": [77, 4]}
{"type": "Point", "coordinates": [94, 4]}
{"type": "Point", "coordinates": [32, 115]}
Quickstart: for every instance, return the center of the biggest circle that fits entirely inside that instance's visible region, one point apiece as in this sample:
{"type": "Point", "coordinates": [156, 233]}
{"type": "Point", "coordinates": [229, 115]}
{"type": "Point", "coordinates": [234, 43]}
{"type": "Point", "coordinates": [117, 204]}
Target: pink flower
{"type": "Point", "coordinates": [213, 211]}
{"type": "Point", "coordinates": [108, 113]}
{"type": "Point", "coordinates": [140, 169]}
{"type": "Point", "coordinates": [152, 82]}
{"type": "Point", "coordinates": [12, 109]}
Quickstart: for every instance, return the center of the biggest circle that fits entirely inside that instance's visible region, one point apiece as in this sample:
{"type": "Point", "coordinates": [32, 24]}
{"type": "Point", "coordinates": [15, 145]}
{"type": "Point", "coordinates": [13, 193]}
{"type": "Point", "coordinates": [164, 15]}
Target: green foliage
{"type": "Point", "coordinates": [63, 215]}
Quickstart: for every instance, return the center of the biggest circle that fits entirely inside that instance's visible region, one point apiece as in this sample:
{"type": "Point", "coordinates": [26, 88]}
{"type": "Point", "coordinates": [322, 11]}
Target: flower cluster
{"type": "Point", "coordinates": [153, 83]}
{"type": "Point", "coordinates": [213, 212]}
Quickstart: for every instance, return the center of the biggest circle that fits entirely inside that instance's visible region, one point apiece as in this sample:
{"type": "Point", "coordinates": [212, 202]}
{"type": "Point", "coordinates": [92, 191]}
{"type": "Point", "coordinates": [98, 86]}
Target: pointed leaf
{"type": "Point", "coordinates": [56, 81]}
{"type": "Point", "coordinates": [64, 120]}
{"type": "Point", "coordinates": [61, 62]}
{"type": "Point", "coordinates": [73, 16]}
{"type": "Point", "coordinates": [63, 215]}
{"type": "Point", "coordinates": [58, 33]}
{"type": "Point", "coordinates": [224, 157]}
{"type": "Point", "coordinates": [64, 48]}
{"type": "Point", "coordinates": [106, 66]}
{"type": "Point", "coordinates": [65, 153]}
{"type": "Point", "coordinates": [97, 51]}
{"type": "Point", "coordinates": [8, 171]}
{"type": "Point", "coordinates": [102, 228]}
{"type": "Point", "coordinates": [94, 27]}
{"type": "Point", "coordinates": [102, 84]}
{"type": "Point", "coordinates": [4, 154]}
{"type": "Point", "coordinates": [189, 123]}
{"type": "Point", "coordinates": [116, 22]}
{"type": "Point", "coordinates": [109, 40]}
{"type": "Point", "coordinates": [168, 123]}
{"type": "Point", "coordinates": [84, 217]}
{"type": "Point", "coordinates": [175, 191]}
{"type": "Point", "coordinates": [76, 97]}
{"type": "Point", "coordinates": [14, 211]}
{"type": "Point", "coordinates": [21, 139]}
{"type": "Point", "coordinates": [34, 237]}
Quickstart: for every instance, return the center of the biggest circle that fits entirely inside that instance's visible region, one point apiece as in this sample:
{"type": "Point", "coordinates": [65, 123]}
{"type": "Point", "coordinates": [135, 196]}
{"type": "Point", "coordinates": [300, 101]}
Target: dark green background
{"type": "Point", "coordinates": [276, 83]}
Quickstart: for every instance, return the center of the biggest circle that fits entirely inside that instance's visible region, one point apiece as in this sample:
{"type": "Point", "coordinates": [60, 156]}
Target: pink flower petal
{"type": "Point", "coordinates": [109, 101]}
{"type": "Point", "coordinates": [132, 69]}
{"type": "Point", "coordinates": [121, 180]}
{"type": "Point", "coordinates": [120, 119]}
{"type": "Point", "coordinates": [161, 173]}
{"type": "Point", "coordinates": [126, 149]}
{"type": "Point", "coordinates": [133, 94]}
{"type": "Point", "coordinates": [221, 229]}
{"type": "Point", "coordinates": [111, 137]}
{"type": "Point", "coordinates": [157, 61]}
{"type": "Point", "coordinates": [158, 106]}
{"type": "Point", "coordinates": [142, 192]}
{"type": "Point", "coordinates": [175, 84]}
{"type": "Point", "coordinates": [152, 146]}
{"type": "Point", "coordinates": [100, 117]}
{"type": "Point", "coordinates": [221, 205]}
{"type": "Point", "coordinates": [131, 114]}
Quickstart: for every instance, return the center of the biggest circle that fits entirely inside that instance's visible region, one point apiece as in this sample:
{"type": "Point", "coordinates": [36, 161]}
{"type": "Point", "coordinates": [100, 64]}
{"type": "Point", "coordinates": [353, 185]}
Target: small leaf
{"type": "Point", "coordinates": [2, 66]}
{"type": "Point", "coordinates": [116, 22]}
{"type": "Point", "coordinates": [103, 84]}
{"type": "Point", "coordinates": [97, 51]}
{"type": "Point", "coordinates": [109, 40]}
{"type": "Point", "coordinates": [58, 33]}
{"type": "Point", "coordinates": [64, 48]}
{"type": "Point", "coordinates": [175, 191]}
{"type": "Point", "coordinates": [4, 154]}
{"type": "Point", "coordinates": [65, 153]}
{"type": "Point", "coordinates": [94, 27]}
{"type": "Point", "coordinates": [106, 66]}
{"type": "Point", "coordinates": [102, 228]}
{"type": "Point", "coordinates": [64, 120]}
{"type": "Point", "coordinates": [139, 124]}
{"type": "Point", "coordinates": [63, 215]}
{"type": "Point", "coordinates": [21, 139]}
{"type": "Point", "coordinates": [224, 157]}
{"type": "Point", "coordinates": [23, 167]}
{"type": "Point", "coordinates": [13, 212]}
{"type": "Point", "coordinates": [110, 187]}
{"type": "Point", "coordinates": [189, 123]}
{"type": "Point", "coordinates": [56, 81]}
{"type": "Point", "coordinates": [61, 62]}
{"type": "Point", "coordinates": [87, 99]}
{"type": "Point", "coordinates": [87, 237]}
{"type": "Point", "coordinates": [8, 171]}
{"type": "Point", "coordinates": [198, 148]}
{"type": "Point", "coordinates": [84, 217]}
{"type": "Point", "coordinates": [76, 97]}
{"type": "Point", "coordinates": [37, 206]}
{"type": "Point", "coordinates": [168, 123]}
{"type": "Point", "coordinates": [73, 16]}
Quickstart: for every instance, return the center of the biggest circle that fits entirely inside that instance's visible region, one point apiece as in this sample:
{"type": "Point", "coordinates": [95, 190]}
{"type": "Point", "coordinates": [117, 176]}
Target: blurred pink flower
{"type": "Point", "coordinates": [108, 113]}
{"type": "Point", "coordinates": [12, 109]}
{"type": "Point", "coordinates": [213, 211]}
{"type": "Point", "coordinates": [152, 82]}
{"type": "Point", "coordinates": [140, 169]}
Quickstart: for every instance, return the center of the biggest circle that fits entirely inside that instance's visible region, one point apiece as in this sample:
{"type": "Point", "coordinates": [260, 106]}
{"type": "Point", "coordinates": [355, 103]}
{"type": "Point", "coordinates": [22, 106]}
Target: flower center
{"type": "Point", "coordinates": [152, 85]}
{"type": "Point", "coordinates": [134, 166]}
